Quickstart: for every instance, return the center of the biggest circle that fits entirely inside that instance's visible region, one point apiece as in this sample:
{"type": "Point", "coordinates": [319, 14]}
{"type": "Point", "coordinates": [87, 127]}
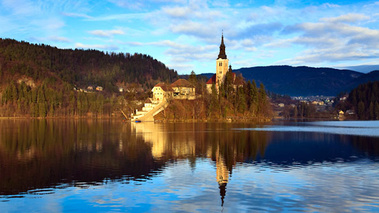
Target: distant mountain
{"type": "Point", "coordinates": [363, 68]}
{"type": "Point", "coordinates": [305, 81]}
{"type": "Point", "coordinates": [372, 76]}
{"type": "Point", "coordinates": [301, 81]}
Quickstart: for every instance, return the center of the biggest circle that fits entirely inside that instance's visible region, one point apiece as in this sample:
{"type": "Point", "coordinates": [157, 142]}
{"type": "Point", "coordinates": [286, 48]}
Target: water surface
{"type": "Point", "coordinates": [111, 166]}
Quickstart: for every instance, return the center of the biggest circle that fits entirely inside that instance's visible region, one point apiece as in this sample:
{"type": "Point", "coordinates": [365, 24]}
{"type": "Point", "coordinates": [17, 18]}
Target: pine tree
{"type": "Point", "coordinates": [262, 98]}
{"type": "Point", "coordinates": [214, 104]}
{"type": "Point", "coordinates": [254, 98]}
{"type": "Point", "coordinates": [42, 109]}
{"type": "Point", "coordinates": [372, 111]}
{"type": "Point", "coordinates": [361, 110]}
{"type": "Point", "coordinates": [241, 100]}
{"type": "Point", "coordinates": [193, 79]}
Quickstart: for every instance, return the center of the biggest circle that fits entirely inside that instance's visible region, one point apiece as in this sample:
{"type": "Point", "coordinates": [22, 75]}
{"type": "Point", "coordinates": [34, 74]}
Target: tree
{"type": "Point", "coordinates": [361, 110]}
{"type": "Point", "coordinates": [363, 99]}
{"type": "Point", "coordinates": [214, 104]}
{"type": "Point", "coordinates": [372, 111]}
{"type": "Point", "coordinates": [193, 79]}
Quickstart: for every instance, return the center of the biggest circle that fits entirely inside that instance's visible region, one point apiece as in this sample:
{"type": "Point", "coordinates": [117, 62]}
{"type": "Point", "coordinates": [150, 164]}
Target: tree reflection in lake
{"type": "Point", "coordinates": [215, 141]}
{"type": "Point", "coordinates": [44, 153]}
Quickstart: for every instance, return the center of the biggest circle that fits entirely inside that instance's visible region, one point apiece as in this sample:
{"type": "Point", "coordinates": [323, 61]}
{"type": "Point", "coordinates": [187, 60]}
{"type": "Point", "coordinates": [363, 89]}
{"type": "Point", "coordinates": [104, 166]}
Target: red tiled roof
{"type": "Point", "coordinates": [212, 80]}
{"type": "Point", "coordinates": [182, 83]}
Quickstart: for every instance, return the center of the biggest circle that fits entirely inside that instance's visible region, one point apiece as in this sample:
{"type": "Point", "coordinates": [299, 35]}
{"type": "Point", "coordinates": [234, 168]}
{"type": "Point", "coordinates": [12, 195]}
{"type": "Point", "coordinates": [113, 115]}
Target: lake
{"type": "Point", "coordinates": [64, 165]}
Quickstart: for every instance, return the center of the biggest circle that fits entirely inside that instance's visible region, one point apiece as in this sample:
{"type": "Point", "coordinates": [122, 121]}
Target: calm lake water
{"type": "Point", "coordinates": [111, 166]}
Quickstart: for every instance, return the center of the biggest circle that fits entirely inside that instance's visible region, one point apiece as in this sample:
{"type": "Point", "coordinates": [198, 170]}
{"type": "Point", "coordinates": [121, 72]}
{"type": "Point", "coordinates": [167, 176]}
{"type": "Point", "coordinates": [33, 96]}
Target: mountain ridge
{"type": "Point", "coordinates": [305, 81]}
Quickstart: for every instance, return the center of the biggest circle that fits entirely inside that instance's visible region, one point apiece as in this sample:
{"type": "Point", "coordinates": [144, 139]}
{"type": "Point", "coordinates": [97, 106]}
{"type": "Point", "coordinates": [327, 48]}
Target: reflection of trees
{"type": "Point", "coordinates": [178, 141]}
{"type": "Point", "coordinates": [216, 141]}
{"type": "Point", "coordinates": [368, 145]}
{"type": "Point", "coordinates": [42, 153]}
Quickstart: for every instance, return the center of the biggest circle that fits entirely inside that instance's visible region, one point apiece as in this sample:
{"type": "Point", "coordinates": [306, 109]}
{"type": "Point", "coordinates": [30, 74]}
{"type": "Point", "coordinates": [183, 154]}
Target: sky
{"type": "Point", "coordinates": [185, 34]}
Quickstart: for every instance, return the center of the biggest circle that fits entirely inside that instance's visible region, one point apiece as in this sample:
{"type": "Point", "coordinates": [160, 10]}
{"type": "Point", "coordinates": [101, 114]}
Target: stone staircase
{"type": "Point", "coordinates": [149, 111]}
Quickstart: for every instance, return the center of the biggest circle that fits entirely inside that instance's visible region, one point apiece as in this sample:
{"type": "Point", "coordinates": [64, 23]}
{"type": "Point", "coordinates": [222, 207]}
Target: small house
{"type": "Point", "coordinates": [183, 89]}
{"type": "Point", "coordinates": [162, 91]}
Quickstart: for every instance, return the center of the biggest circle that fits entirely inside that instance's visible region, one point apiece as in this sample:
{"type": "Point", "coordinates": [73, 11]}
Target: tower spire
{"type": "Point", "coordinates": [222, 53]}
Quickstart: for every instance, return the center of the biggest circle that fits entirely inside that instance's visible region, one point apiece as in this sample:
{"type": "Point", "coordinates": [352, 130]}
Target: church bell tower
{"type": "Point", "coordinates": [222, 63]}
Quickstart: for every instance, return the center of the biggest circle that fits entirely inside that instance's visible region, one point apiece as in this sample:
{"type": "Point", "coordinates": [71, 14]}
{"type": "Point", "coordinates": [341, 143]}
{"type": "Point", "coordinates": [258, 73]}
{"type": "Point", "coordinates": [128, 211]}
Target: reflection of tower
{"type": "Point", "coordinates": [163, 142]}
{"type": "Point", "coordinates": [222, 173]}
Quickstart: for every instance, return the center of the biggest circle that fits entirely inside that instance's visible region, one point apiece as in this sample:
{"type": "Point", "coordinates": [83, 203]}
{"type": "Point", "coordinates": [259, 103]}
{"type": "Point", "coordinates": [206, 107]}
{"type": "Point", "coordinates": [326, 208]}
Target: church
{"type": "Point", "coordinates": [222, 69]}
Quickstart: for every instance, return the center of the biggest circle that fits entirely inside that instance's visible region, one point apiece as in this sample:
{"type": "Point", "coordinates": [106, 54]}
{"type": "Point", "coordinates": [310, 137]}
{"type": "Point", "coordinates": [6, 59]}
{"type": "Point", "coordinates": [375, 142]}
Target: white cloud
{"type": "Point", "coordinates": [120, 17]}
{"type": "Point", "coordinates": [348, 18]}
{"type": "Point", "coordinates": [337, 54]}
{"type": "Point", "coordinates": [139, 5]}
{"type": "Point", "coordinates": [192, 28]}
{"type": "Point", "coordinates": [329, 5]}
{"type": "Point", "coordinates": [77, 15]}
{"type": "Point", "coordinates": [279, 43]}
{"type": "Point", "coordinates": [333, 40]}
{"type": "Point", "coordinates": [220, 3]}
{"type": "Point", "coordinates": [59, 39]}
{"type": "Point", "coordinates": [177, 12]}
{"type": "Point", "coordinates": [181, 66]}
{"type": "Point", "coordinates": [106, 33]}
{"type": "Point", "coordinates": [21, 7]}
{"type": "Point", "coordinates": [97, 46]}
{"type": "Point", "coordinates": [131, 4]}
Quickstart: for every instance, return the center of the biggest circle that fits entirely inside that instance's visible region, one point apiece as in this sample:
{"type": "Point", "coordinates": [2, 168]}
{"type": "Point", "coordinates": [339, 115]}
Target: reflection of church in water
{"type": "Point", "coordinates": [222, 175]}
{"type": "Point", "coordinates": [166, 146]}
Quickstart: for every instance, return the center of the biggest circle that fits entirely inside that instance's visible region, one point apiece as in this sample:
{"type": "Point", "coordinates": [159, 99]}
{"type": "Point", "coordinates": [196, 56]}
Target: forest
{"type": "Point", "coordinates": [365, 101]}
{"type": "Point", "coordinates": [44, 81]}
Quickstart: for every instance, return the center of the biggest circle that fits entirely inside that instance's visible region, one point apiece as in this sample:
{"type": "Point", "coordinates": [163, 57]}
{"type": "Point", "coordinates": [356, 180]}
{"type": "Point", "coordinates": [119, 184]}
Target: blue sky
{"type": "Point", "coordinates": [185, 34]}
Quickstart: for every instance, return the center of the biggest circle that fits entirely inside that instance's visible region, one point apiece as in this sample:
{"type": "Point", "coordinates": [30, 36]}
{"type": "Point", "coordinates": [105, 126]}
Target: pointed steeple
{"type": "Point", "coordinates": [222, 53]}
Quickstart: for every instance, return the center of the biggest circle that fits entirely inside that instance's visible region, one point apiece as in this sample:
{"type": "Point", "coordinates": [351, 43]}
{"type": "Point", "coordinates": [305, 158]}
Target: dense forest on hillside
{"type": "Point", "coordinates": [301, 81]}
{"type": "Point", "coordinates": [245, 102]}
{"type": "Point", "coordinates": [40, 80]}
{"type": "Point", "coordinates": [81, 67]}
{"type": "Point", "coordinates": [365, 101]}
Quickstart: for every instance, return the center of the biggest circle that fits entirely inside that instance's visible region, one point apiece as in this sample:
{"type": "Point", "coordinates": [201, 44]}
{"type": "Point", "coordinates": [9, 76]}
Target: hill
{"type": "Point", "coordinates": [80, 67]}
{"type": "Point", "coordinates": [363, 68]}
{"type": "Point", "coordinates": [365, 78]}
{"type": "Point", "coordinates": [301, 81]}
